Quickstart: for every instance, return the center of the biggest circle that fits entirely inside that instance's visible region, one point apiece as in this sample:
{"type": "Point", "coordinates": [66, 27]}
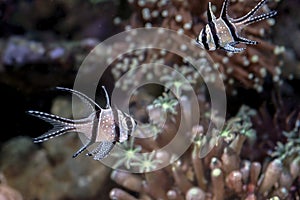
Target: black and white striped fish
{"type": "Point", "coordinates": [222, 32]}
{"type": "Point", "coordinates": [103, 127]}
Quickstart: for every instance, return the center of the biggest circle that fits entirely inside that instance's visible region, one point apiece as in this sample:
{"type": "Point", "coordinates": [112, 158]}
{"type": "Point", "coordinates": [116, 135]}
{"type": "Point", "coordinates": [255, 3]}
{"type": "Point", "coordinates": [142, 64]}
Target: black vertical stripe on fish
{"type": "Point", "coordinates": [224, 10]}
{"type": "Point", "coordinates": [197, 39]}
{"type": "Point", "coordinates": [213, 30]}
{"type": "Point", "coordinates": [231, 29]}
{"type": "Point", "coordinates": [227, 37]}
{"type": "Point", "coordinates": [129, 125]}
{"type": "Point", "coordinates": [93, 138]}
{"type": "Point", "coordinates": [90, 126]}
{"type": "Point", "coordinates": [209, 14]}
{"type": "Point", "coordinates": [204, 38]}
{"type": "Point", "coordinates": [117, 126]}
{"type": "Point", "coordinates": [95, 127]}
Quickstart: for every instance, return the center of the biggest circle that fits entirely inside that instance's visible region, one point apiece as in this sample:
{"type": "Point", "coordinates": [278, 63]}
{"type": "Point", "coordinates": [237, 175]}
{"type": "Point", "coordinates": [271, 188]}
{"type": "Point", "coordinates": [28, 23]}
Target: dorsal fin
{"type": "Point", "coordinates": [260, 17]}
{"type": "Point", "coordinates": [210, 14]}
{"type": "Point", "coordinates": [84, 98]}
{"type": "Point", "coordinates": [107, 98]}
{"type": "Point", "coordinates": [224, 9]}
{"type": "Point", "coordinates": [251, 13]}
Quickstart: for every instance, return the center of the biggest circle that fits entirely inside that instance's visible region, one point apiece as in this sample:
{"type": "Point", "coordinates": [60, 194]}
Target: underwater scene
{"type": "Point", "coordinates": [150, 99]}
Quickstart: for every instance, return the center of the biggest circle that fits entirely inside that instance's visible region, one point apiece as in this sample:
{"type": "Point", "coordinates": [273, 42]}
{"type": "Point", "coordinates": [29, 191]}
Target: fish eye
{"type": "Point", "coordinates": [129, 125]}
{"type": "Point", "coordinates": [127, 122]}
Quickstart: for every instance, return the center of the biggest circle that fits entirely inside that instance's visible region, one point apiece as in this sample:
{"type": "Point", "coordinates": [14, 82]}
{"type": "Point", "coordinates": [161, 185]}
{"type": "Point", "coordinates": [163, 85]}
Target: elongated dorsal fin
{"type": "Point", "coordinates": [210, 14]}
{"type": "Point", "coordinates": [230, 48]}
{"type": "Point", "coordinates": [85, 99]}
{"type": "Point", "coordinates": [224, 9]}
{"type": "Point", "coordinates": [107, 97]}
{"type": "Point", "coordinates": [248, 18]}
{"type": "Point", "coordinates": [260, 17]}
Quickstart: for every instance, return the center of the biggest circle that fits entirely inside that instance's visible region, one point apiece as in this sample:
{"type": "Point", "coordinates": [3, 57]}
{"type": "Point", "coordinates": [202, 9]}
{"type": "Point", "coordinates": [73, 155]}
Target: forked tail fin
{"type": "Point", "coordinates": [60, 125]}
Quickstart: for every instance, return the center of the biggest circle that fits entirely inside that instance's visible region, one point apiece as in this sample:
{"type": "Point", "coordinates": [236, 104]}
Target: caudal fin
{"type": "Point", "coordinates": [60, 125]}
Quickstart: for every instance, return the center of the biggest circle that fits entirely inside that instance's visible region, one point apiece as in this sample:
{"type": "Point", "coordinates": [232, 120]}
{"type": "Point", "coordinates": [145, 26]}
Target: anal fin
{"type": "Point", "coordinates": [102, 150]}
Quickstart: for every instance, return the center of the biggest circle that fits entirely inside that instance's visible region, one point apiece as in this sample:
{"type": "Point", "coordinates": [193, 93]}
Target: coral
{"type": "Point", "coordinates": [6, 192]}
{"type": "Point", "coordinates": [166, 103]}
{"type": "Point", "coordinates": [248, 69]}
{"type": "Point", "coordinates": [291, 149]}
{"type": "Point", "coordinates": [51, 171]}
{"type": "Point", "coordinates": [147, 163]}
{"type": "Point", "coordinates": [255, 155]}
{"type": "Point", "coordinates": [223, 173]}
{"type": "Point", "coordinates": [129, 154]}
{"type": "Point", "coordinates": [179, 85]}
{"type": "Point", "coordinates": [276, 119]}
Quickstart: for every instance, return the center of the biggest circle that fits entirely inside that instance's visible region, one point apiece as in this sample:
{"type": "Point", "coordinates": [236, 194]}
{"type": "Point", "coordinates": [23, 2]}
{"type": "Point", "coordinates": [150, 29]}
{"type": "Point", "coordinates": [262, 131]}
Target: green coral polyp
{"type": "Point", "coordinates": [166, 103]}
{"type": "Point", "coordinates": [146, 163]}
{"type": "Point", "coordinates": [128, 155]}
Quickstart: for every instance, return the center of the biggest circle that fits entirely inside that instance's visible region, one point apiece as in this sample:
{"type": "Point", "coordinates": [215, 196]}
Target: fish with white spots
{"type": "Point", "coordinates": [103, 127]}
{"type": "Point", "coordinates": [223, 32]}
